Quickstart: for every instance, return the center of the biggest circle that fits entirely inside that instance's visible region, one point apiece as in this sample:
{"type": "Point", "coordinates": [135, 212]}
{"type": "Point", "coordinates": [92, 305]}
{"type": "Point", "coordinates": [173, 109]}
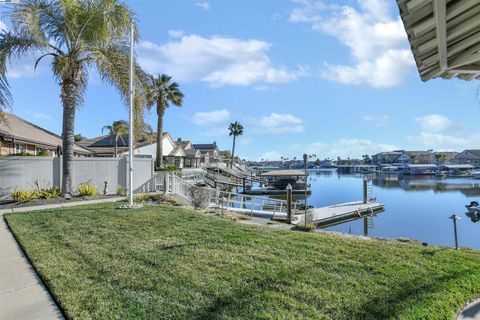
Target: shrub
{"type": "Point", "coordinates": [43, 153]}
{"type": "Point", "coordinates": [21, 154]}
{"type": "Point", "coordinates": [198, 196]}
{"type": "Point", "coordinates": [45, 192]}
{"type": "Point", "coordinates": [146, 197]}
{"type": "Point", "coordinates": [87, 189]}
{"type": "Point", "coordinates": [21, 195]}
{"type": "Point", "coordinates": [167, 168]}
{"type": "Point", "coordinates": [121, 191]}
{"type": "Point", "coordinates": [48, 193]}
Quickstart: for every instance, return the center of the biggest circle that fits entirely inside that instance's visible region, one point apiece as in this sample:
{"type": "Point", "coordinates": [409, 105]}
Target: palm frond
{"type": "Point", "coordinates": [13, 45]}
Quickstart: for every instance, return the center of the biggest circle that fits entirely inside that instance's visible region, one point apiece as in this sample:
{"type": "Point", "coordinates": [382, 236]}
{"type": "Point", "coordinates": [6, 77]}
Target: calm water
{"type": "Point", "coordinates": [414, 207]}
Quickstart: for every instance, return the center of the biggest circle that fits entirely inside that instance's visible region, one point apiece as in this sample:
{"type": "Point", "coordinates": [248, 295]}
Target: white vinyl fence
{"type": "Point", "coordinates": [23, 172]}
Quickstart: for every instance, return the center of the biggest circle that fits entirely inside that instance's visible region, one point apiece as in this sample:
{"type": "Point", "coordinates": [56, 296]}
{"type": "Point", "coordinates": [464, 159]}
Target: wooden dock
{"type": "Point", "coordinates": [340, 213]}
{"type": "Point", "coordinates": [272, 192]}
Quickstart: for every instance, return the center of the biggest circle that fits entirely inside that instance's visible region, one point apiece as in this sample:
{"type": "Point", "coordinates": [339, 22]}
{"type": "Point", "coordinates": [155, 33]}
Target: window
{"type": "Point", "coordinates": [20, 148]}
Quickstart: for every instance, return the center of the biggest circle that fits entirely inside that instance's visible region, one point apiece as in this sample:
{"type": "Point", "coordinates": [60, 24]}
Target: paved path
{"type": "Point", "coordinates": [472, 311]}
{"type": "Point", "coordinates": [22, 294]}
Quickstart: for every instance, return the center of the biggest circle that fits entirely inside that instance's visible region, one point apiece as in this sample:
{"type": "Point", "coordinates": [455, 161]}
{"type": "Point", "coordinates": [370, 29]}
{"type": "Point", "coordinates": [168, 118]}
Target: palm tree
{"type": "Point", "coordinates": [78, 36]}
{"type": "Point", "coordinates": [235, 129]}
{"type": "Point", "coordinates": [161, 92]}
{"type": "Point", "coordinates": [116, 130]}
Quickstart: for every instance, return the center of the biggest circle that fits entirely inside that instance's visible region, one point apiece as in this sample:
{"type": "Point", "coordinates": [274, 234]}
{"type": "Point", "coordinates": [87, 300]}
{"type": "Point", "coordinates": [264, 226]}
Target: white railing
{"type": "Point", "coordinates": [193, 174]}
{"type": "Point", "coordinates": [168, 182]}
{"type": "Point", "coordinates": [254, 204]}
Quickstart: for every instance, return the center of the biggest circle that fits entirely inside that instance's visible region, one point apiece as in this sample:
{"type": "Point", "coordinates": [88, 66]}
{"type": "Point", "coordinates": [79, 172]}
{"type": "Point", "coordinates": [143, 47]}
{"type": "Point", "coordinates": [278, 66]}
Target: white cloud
{"type": "Point", "coordinates": [216, 60]}
{"type": "Point", "coordinates": [378, 120]}
{"type": "Point", "coordinates": [211, 117]}
{"type": "Point", "coordinates": [377, 41]}
{"type": "Point", "coordinates": [270, 155]}
{"type": "Point", "coordinates": [441, 133]}
{"type": "Point", "coordinates": [204, 5]}
{"type": "Point", "coordinates": [276, 123]}
{"type": "Point", "coordinates": [344, 148]}
{"type": "Point", "coordinates": [434, 123]}
{"type": "Point", "coordinates": [215, 132]}
{"type": "Point", "coordinates": [176, 33]}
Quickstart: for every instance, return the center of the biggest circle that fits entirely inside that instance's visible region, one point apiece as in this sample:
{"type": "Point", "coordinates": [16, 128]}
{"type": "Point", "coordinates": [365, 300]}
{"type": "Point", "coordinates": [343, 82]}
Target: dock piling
{"type": "Point", "coordinates": [454, 217]}
{"type": "Point", "coordinates": [289, 203]}
{"type": "Point", "coordinates": [365, 190]}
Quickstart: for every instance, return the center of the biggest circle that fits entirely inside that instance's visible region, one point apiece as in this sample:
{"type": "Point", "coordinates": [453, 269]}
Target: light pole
{"type": "Point", "coordinates": [305, 158]}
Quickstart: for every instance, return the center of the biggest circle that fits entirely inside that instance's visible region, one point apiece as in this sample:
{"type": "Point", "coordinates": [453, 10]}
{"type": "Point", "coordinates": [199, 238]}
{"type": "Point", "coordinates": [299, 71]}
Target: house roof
{"type": "Point", "coordinates": [105, 144]}
{"type": "Point", "coordinates": [444, 36]}
{"type": "Point", "coordinates": [27, 132]}
{"type": "Point", "coordinates": [205, 146]}
{"type": "Point", "coordinates": [192, 152]}
{"type": "Point", "coordinates": [177, 151]}
{"type": "Point", "coordinates": [183, 143]}
{"type": "Point", "coordinates": [472, 151]}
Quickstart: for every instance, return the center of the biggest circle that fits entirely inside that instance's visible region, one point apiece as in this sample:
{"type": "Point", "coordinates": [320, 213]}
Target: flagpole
{"type": "Point", "coordinates": [130, 121]}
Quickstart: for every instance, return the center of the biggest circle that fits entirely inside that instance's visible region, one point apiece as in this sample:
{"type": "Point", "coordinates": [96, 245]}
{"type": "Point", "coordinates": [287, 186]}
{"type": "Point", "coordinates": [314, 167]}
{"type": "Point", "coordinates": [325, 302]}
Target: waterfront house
{"type": "Point", "coordinates": [420, 169]}
{"type": "Point", "coordinates": [388, 157]}
{"type": "Point", "coordinates": [445, 157]}
{"type": "Point", "coordinates": [192, 156]}
{"type": "Point", "coordinates": [208, 151]}
{"type": "Point", "coordinates": [104, 146]}
{"type": "Point", "coordinates": [20, 137]}
{"type": "Point", "coordinates": [469, 156]}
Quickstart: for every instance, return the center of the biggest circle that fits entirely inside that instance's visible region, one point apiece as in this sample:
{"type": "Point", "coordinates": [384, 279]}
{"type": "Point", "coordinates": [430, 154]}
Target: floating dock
{"type": "Point", "coordinates": [340, 213]}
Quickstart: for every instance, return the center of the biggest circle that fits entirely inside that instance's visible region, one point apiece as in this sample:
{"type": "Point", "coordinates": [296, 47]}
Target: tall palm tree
{"type": "Point", "coordinates": [78, 36]}
{"type": "Point", "coordinates": [116, 130]}
{"type": "Point", "coordinates": [235, 129]}
{"type": "Point", "coordinates": [161, 93]}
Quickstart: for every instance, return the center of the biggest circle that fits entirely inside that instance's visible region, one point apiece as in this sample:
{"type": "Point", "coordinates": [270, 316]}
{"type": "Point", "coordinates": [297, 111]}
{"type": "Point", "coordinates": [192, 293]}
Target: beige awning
{"type": "Point", "coordinates": [284, 173]}
{"type": "Point", "coordinates": [444, 36]}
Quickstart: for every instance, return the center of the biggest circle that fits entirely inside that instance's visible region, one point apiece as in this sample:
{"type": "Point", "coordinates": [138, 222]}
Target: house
{"type": "Point", "coordinates": [18, 136]}
{"type": "Point", "coordinates": [420, 157]}
{"type": "Point", "coordinates": [193, 156]}
{"type": "Point", "coordinates": [469, 156]}
{"type": "Point", "coordinates": [446, 157]}
{"type": "Point", "coordinates": [388, 157]}
{"type": "Point", "coordinates": [209, 152]}
{"type": "Point", "coordinates": [179, 153]}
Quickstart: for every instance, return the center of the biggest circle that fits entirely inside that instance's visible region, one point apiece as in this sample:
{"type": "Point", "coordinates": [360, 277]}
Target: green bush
{"type": "Point", "coordinates": [22, 195]}
{"type": "Point", "coordinates": [21, 154]}
{"type": "Point", "coordinates": [146, 197]}
{"type": "Point", "coordinates": [167, 168]}
{"type": "Point", "coordinates": [121, 191]}
{"type": "Point", "coordinates": [45, 192]}
{"type": "Point", "coordinates": [87, 189]}
{"type": "Point", "coordinates": [48, 193]}
{"type": "Point", "coordinates": [43, 153]}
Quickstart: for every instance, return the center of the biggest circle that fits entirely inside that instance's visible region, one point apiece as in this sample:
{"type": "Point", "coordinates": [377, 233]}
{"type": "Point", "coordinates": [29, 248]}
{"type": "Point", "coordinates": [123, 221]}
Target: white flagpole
{"type": "Point", "coordinates": [130, 122]}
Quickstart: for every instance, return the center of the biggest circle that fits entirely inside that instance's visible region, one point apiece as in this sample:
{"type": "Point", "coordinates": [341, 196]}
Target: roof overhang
{"type": "Point", "coordinates": [444, 36]}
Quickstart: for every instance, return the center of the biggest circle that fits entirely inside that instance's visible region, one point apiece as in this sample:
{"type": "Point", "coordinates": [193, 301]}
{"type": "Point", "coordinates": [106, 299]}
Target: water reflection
{"type": "Point", "coordinates": [416, 207]}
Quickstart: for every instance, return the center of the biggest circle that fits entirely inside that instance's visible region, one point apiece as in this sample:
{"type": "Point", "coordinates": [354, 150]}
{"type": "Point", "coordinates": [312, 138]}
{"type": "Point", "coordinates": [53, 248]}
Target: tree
{"type": "Point", "coordinates": [78, 36]}
{"type": "Point", "coordinates": [235, 129]}
{"type": "Point", "coordinates": [116, 130]}
{"type": "Point", "coordinates": [161, 93]}
{"type": "Point", "coordinates": [78, 137]}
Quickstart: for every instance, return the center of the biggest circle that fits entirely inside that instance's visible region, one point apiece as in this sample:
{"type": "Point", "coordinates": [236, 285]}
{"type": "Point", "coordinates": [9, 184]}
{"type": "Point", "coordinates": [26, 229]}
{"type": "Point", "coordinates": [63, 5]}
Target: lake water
{"type": "Point", "coordinates": [415, 207]}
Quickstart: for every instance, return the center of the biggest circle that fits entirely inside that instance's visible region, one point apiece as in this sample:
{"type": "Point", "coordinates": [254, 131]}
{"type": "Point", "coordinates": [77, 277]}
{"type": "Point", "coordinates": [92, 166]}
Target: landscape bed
{"type": "Point", "coordinates": [164, 262]}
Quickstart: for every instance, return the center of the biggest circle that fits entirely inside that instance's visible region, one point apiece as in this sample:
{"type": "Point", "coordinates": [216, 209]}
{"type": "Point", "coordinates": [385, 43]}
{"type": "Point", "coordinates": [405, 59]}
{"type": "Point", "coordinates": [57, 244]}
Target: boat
{"type": "Point", "coordinates": [476, 175]}
{"type": "Point", "coordinates": [473, 207]}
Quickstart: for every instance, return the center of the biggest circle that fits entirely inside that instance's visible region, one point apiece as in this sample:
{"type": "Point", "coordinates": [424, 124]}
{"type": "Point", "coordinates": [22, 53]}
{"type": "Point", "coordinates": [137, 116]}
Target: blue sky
{"type": "Point", "coordinates": [334, 78]}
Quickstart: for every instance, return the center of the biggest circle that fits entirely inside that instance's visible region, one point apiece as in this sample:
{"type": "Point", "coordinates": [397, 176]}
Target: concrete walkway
{"type": "Point", "coordinates": [472, 311]}
{"type": "Point", "coordinates": [22, 293]}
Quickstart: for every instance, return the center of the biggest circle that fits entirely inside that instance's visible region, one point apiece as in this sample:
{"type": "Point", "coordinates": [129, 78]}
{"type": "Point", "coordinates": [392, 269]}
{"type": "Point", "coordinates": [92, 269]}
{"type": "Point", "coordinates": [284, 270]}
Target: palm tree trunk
{"type": "Point", "coordinates": [160, 114]}
{"type": "Point", "coordinates": [233, 152]}
{"type": "Point", "coordinates": [69, 88]}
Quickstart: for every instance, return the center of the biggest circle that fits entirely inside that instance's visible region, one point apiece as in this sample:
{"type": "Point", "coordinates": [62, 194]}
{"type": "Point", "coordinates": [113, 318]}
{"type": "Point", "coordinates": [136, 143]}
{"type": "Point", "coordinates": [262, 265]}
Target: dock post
{"type": "Point", "coordinates": [289, 203]}
{"type": "Point", "coordinates": [454, 217]}
{"type": "Point", "coordinates": [365, 226]}
{"type": "Point", "coordinates": [365, 190]}
{"type": "Point", "coordinates": [243, 183]}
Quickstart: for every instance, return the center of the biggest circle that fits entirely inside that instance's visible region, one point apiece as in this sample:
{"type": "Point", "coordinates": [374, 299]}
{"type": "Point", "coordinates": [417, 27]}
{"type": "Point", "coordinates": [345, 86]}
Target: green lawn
{"type": "Point", "coordinates": [161, 262]}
